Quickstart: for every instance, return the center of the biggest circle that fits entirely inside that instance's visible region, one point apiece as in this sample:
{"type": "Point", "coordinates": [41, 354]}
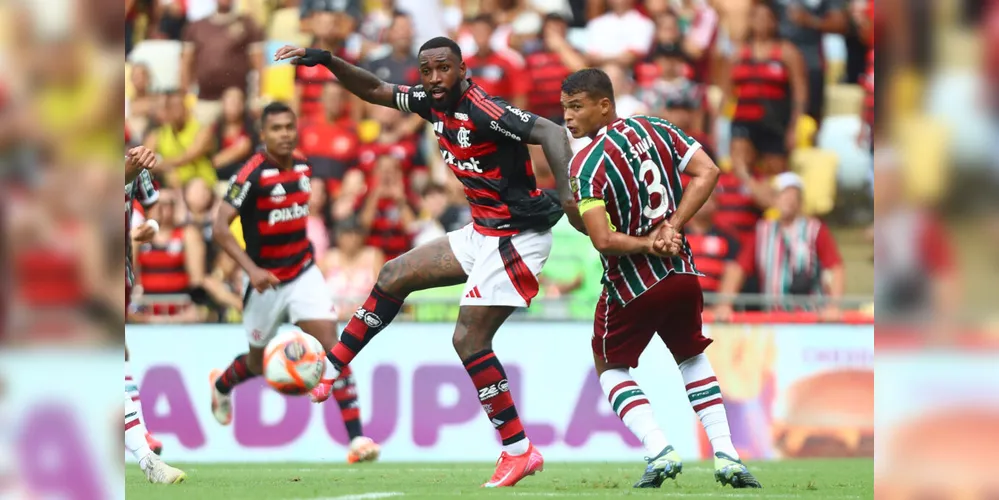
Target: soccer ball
{"type": "Point", "coordinates": [294, 362]}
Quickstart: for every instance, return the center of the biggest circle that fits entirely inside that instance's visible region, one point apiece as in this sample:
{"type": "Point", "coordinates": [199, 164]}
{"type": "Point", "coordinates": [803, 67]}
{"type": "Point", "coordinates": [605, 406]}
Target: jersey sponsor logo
{"type": "Point", "coordinates": [461, 116]}
{"type": "Point", "coordinates": [464, 137]}
{"type": "Point", "coordinates": [238, 193]}
{"type": "Point", "coordinates": [419, 95]}
{"type": "Point", "coordinates": [286, 214]}
{"type": "Point", "coordinates": [369, 318]}
{"type": "Point", "coordinates": [524, 115]}
{"type": "Point", "coordinates": [493, 390]}
{"type": "Point", "coordinates": [278, 193]}
{"type": "Point", "coordinates": [495, 126]}
{"type": "Point", "coordinates": [472, 165]}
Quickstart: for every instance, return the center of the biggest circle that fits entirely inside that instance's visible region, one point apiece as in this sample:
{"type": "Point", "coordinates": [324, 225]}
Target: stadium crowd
{"type": "Point", "coordinates": [746, 78]}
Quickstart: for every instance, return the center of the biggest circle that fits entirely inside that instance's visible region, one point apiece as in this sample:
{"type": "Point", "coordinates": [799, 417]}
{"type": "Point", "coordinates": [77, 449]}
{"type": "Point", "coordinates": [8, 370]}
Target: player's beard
{"type": "Point", "coordinates": [450, 98]}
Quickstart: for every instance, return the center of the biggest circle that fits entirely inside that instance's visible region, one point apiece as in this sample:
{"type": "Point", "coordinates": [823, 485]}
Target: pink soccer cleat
{"type": "Point", "coordinates": [322, 391]}
{"type": "Point", "coordinates": [510, 469]}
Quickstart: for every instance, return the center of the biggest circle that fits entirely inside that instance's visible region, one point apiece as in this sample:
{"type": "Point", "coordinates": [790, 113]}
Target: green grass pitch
{"type": "Point", "coordinates": [806, 479]}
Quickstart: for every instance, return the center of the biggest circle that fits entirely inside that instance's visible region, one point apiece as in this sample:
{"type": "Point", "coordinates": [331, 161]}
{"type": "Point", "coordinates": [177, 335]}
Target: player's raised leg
{"type": "Point", "coordinates": [132, 391]}
{"type": "Point", "coordinates": [477, 325]}
{"type": "Point", "coordinates": [426, 266]}
{"type": "Point", "coordinates": [681, 330]}
{"type": "Point", "coordinates": [155, 469]}
{"type": "Point", "coordinates": [620, 334]}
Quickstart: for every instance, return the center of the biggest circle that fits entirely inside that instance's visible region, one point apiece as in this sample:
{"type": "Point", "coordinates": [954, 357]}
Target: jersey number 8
{"type": "Point", "coordinates": [654, 210]}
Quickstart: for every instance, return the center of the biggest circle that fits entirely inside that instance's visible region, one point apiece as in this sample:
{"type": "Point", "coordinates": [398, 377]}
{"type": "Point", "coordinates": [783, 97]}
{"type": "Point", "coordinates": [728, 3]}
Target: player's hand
{"type": "Point", "coordinates": [145, 232]}
{"type": "Point", "coordinates": [262, 279]}
{"type": "Point", "coordinates": [664, 241]}
{"type": "Point", "coordinates": [139, 158]}
{"type": "Point", "coordinates": [302, 56]}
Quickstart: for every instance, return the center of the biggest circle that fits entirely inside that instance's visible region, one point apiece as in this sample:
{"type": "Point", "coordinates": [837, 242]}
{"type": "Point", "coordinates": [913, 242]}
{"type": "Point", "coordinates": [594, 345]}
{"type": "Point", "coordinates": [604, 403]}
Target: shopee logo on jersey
{"type": "Point", "coordinates": [293, 212]}
{"type": "Point", "coordinates": [472, 165]}
{"type": "Point", "coordinates": [495, 126]}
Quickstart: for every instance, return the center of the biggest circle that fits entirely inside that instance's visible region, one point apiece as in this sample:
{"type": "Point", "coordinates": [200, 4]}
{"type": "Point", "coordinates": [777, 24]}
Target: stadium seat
{"type": "Point", "coordinates": [163, 59]}
{"type": "Point", "coordinates": [806, 131]}
{"type": "Point", "coordinates": [278, 82]}
{"type": "Point", "coordinates": [924, 142]}
{"type": "Point", "coordinates": [285, 25]}
{"type": "Point", "coordinates": [817, 168]}
{"type": "Point", "coordinates": [844, 99]}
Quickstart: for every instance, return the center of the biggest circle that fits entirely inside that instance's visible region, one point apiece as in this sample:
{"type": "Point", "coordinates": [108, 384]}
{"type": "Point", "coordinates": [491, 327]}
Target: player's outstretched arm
{"type": "Point", "coordinates": [555, 143]}
{"type": "Point", "coordinates": [357, 81]}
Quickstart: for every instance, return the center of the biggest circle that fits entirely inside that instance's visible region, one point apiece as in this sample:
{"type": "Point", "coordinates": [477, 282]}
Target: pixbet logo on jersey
{"type": "Point", "coordinates": [472, 165]}
{"type": "Point", "coordinates": [293, 212]}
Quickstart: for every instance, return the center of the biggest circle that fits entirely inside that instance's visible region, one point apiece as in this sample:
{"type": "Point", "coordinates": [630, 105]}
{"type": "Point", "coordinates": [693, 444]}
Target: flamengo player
{"type": "Point", "coordinates": [498, 257]}
{"type": "Point", "coordinates": [627, 184]}
{"type": "Point", "coordinates": [139, 186]}
{"type": "Point", "coordinates": [270, 194]}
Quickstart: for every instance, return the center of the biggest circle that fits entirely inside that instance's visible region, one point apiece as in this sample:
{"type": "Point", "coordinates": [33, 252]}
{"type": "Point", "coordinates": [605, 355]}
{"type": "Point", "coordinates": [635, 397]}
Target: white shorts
{"type": "Point", "coordinates": [502, 270]}
{"type": "Point", "coordinates": [304, 298]}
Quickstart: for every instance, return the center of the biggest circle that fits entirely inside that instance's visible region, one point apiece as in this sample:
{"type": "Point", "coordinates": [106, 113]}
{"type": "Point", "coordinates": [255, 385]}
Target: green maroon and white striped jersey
{"type": "Point", "coordinates": [142, 190]}
{"type": "Point", "coordinates": [634, 166]}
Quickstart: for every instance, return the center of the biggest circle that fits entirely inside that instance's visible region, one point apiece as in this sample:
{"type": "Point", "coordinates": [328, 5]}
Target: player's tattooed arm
{"type": "Point", "coordinates": [357, 81]}
{"type": "Point", "coordinates": [555, 143]}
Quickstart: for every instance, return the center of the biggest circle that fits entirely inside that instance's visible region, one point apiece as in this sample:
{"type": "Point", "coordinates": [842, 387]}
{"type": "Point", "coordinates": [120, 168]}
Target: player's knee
{"type": "Point", "coordinates": [466, 343]}
{"type": "Point", "coordinates": [391, 278]}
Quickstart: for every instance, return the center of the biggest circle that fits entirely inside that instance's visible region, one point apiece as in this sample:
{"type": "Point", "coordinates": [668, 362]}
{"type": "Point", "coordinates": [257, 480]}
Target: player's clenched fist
{"type": "Point", "coordinates": [664, 241]}
{"type": "Point", "coordinates": [138, 159]}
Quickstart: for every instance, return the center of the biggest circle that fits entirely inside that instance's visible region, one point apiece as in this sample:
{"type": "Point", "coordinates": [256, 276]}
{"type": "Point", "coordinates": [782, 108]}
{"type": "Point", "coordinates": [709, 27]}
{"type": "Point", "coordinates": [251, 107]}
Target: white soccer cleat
{"type": "Point", "coordinates": [158, 472]}
{"type": "Point", "coordinates": [363, 449]}
{"type": "Point", "coordinates": [221, 403]}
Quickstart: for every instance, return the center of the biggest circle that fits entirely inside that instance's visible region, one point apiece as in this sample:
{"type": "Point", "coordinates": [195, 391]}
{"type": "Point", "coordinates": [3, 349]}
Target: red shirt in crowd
{"type": "Point", "coordinates": [499, 75]}
{"type": "Point", "coordinates": [310, 82]}
{"type": "Point", "coordinates": [332, 147]}
{"type": "Point", "coordinates": [546, 71]}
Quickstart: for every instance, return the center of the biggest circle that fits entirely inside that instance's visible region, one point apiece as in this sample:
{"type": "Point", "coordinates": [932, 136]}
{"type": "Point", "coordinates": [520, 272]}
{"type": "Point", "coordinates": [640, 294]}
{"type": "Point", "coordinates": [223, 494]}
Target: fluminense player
{"type": "Point", "coordinates": [627, 185]}
{"type": "Point", "coordinates": [483, 140]}
{"type": "Point", "coordinates": [139, 186]}
{"type": "Point", "coordinates": [270, 195]}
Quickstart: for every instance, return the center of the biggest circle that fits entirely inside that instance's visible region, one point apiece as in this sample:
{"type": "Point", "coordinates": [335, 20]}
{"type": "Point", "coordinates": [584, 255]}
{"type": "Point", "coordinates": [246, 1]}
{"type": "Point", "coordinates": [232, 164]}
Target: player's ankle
{"type": "Point", "coordinates": [518, 448]}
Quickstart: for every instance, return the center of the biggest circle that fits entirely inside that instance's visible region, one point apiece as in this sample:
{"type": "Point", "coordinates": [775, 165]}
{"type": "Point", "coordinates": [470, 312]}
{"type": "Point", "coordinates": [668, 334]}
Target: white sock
{"type": "Point", "coordinates": [518, 448]}
{"type": "Point", "coordinates": [135, 432]}
{"type": "Point", "coordinates": [331, 372]}
{"type": "Point", "coordinates": [632, 407]}
{"type": "Point", "coordinates": [132, 388]}
{"type": "Point", "coordinates": [706, 399]}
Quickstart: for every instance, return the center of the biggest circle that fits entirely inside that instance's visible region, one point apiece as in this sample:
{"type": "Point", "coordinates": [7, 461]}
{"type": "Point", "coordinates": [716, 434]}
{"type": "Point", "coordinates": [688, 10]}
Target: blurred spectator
{"type": "Point", "coordinates": [234, 136]}
{"type": "Point", "coordinates": [715, 250]}
{"type": "Point", "coordinates": [701, 22]}
{"type": "Point", "coordinates": [803, 23]}
{"type": "Point", "coordinates": [915, 276]}
{"type": "Point", "coordinates": [163, 268]}
{"type": "Point", "coordinates": [170, 17]}
{"type": "Point", "coordinates": [768, 85]}
{"type": "Point", "coordinates": [548, 65]}
{"type": "Point", "coordinates": [390, 132]}
{"type": "Point", "coordinates": [221, 51]}
{"type": "Point", "coordinates": [330, 31]}
{"type": "Point", "coordinates": [378, 16]}
{"type": "Point", "coordinates": [174, 140]}
{"type": "Point", "coordinates": [627, 104]}
{"type": "Point", "coordinates": [675, 97]}
{"type": "Point", "coordinates": [315, 228]}
{"type": "Point", "coordinates": [331, 142]}
{"type": "Point", "coordinates": [668, 40]}
{"type": "Point", "coordinates": [386, 212]}
{"type": "Point", "coordinates": [350, 267]}
{"type": "Point", "coordinates": [309, 8]}
{"type": "Point", "coordinates": [395, 61]}
{"type": "Point", "coordinates": [427, 226]}
{"type": "Point", "coordinates": [497, 73]}
{"type": "Point", "coordinates": [741, 202]}
{"type": "Point", "coordinates": [859, 38]}
{"type": "Point", "coordinates": [620, 36]}
{"type": "Point", "coordinates": [140, 105]}
{"type": "Point", "coordinates": [794, 255]}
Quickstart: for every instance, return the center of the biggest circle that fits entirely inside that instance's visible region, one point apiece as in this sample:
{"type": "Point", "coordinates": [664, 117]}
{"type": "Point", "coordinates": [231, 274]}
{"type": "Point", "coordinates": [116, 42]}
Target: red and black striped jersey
{"type": "Point", "coordinates": [762, 86]}
{"type": "Point", "coordinates": [483, 140]}
{"type": "Point", "coordinates": [273, 205]}
{"type": "Point", "coordinates": [713, 250]}
{"type": "Point", "coordinates": [161, 265]}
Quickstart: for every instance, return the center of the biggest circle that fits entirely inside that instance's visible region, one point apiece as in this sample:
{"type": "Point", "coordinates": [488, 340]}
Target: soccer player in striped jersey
{"type": "Point", "coordinates": [627, 185]}
{"type": "Point", "coordinates": [498, 257]}
{"type": "Point", "coordinates": [139, 186]}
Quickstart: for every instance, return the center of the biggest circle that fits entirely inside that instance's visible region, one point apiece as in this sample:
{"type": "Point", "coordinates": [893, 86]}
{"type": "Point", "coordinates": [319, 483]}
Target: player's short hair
{"type": "Point", "coordinates": [442, 42]}
{"type": "Point", "coordinates": [274, 108]}
{"type": "Point", "coordinates": [593, 81]}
